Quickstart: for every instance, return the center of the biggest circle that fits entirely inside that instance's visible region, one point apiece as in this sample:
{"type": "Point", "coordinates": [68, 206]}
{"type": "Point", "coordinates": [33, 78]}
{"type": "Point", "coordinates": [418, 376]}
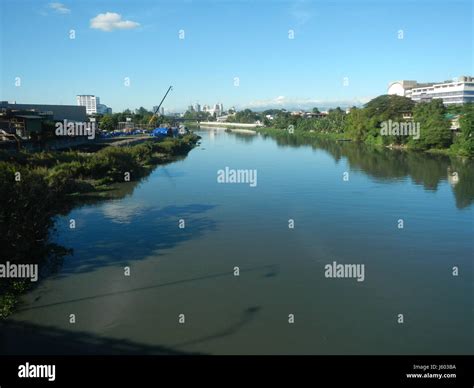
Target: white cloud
{"type": "Point", "coordinates": [281, 102]}
{"type": "Point", "coordinates": [59, 8]}
{"type": "Point", "coordinates": [301, 17]}
{"type": "Point", "coordinates": [122, 212]}
{"type": "Point", "coordinates": [110, 21]}
{"type": "Point", "coordinates": [300, 12]}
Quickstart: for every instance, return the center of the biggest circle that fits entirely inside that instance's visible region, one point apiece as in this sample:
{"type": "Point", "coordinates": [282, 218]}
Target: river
{"type": "Point", "coordinates": [182, 234]}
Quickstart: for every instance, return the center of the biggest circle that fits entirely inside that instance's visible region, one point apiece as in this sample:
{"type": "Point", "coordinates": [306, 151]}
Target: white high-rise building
{"type": "Point", "coordinates": [216, 109]}
{"type": "Point", "coordinates": [90, 102]}
{"type": "Point", "coordinates": [458, 91]}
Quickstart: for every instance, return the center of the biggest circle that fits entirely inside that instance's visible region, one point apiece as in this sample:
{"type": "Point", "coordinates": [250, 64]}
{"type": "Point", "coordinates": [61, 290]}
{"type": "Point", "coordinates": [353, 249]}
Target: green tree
{"type": "Point", "coordinates": [435, 129]}
{"type": "Point", "coordinates": [142, 111]}
{"type": "Point", "coordinates": [382, 109]}
{"type": "Point", "coordinates": [464, 142]}
{"type": "Point", "coordinates": [357, 124]}
{"type": "Point", "coordinates": [245, 116]}
{"type": "Point", "coordinates": [336, 119]}
{"type": "Point", "coordinates": [107, 123]}
{"type": "Point", "coordinates": [388, 107]}
{"type": "Point", "coordinates": [192, 115]}
{"type": "Point", "coordinates": [283, 120]}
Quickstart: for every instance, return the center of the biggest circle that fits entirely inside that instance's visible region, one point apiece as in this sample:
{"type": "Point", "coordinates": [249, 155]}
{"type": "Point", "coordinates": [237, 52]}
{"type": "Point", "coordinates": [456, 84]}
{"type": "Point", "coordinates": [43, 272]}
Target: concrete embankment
{"type": "Point", "coordinates": [228, 125]}
{"type": "Point", "coordinates": [239, 130]}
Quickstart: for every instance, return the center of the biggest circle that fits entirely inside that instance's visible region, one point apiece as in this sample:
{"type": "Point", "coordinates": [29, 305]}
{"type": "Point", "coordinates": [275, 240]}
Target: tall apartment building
{"type": "Point", "coordinates": [218, 109]}
{"type": "Point", "coordinates": [90, 102]}
{"type": "Point", "coordinates": [459, 91]}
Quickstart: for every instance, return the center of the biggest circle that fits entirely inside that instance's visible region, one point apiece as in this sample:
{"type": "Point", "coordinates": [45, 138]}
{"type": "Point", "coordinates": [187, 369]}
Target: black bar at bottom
{"type": "Point", "coordinates": [428, 371]}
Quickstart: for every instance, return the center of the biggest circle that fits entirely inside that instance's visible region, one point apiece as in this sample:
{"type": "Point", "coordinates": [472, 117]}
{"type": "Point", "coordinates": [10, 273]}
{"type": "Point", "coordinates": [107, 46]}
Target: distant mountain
{"type": "Point", "coordinates": [292, 104]}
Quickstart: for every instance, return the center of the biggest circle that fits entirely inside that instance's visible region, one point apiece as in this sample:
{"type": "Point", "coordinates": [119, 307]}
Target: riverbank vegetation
{"type": "Point", "coordinates": [35, 187]}
{"type": "Point", "coordinates": [387, 120]}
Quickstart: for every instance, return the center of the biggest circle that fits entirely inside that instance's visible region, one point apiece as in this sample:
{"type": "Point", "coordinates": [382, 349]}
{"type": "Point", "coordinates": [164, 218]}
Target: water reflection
{"type": "Point", "coordinates": [133, 235]}
{"type": "Point", "coordinates": [244, 137]}
{"type": "Point", "coordinates": [382, 164]}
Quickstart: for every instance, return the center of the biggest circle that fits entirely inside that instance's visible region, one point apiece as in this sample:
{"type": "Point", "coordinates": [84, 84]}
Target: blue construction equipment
{"type": "Point", "coordinates": [159, 132]}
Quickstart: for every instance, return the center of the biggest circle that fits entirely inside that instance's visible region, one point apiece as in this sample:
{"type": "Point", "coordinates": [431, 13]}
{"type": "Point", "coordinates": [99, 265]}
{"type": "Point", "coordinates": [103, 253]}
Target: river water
{"type": "Point", "coordinates": [191, 269]}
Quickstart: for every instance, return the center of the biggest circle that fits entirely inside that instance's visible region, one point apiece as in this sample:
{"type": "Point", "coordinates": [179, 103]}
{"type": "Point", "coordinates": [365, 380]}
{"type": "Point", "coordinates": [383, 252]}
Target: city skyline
{"type": "Point", "coordinates": [128, 57]}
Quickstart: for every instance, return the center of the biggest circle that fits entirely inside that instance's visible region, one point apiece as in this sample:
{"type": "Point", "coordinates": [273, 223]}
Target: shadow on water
{"type": "Point", "coordinates": [428, 170]}
{"type": "Point", "coordinates": [153, 230]}
{"type": "Point", "coordinates": [247, 316]}
{"type": "Point", "coordinates": [270, 271]}
{"type": "Point", "coordinates": [20, 338]}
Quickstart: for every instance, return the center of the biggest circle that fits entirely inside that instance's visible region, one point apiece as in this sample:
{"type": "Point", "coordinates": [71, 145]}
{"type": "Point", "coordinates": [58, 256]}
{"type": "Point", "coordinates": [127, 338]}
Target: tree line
{"type": "Point", "coordinates": [431, 122]}
{"type": "Point", "coordinates": [432, 119]}
{"type": "Point", "coordinates": [142, 116]}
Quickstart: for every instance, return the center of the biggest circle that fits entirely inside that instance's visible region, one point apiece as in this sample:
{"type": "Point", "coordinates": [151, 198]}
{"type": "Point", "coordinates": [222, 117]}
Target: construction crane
{"type": "Point", "coordinates": [159, 106]}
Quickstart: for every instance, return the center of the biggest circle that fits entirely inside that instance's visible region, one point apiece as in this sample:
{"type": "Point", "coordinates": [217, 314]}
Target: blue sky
{"type": "Point", "coordinates": [227, 39]}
